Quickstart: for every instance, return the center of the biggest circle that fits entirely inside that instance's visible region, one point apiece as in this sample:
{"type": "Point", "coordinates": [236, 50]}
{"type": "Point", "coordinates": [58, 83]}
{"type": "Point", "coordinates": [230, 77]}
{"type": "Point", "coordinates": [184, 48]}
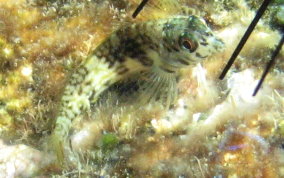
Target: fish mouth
{"type": "Point", "coordinates": [216, 43]}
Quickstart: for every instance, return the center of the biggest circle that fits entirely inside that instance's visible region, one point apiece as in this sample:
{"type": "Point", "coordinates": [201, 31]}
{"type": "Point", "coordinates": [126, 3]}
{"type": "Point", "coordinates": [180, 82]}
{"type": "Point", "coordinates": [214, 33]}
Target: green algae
{"type": "Point", "coordinates": [109, 142]}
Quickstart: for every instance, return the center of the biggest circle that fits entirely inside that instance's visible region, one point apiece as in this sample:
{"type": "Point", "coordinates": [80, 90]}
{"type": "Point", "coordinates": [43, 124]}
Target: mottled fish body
{"type": "Point", "coordinates": [159, 47]}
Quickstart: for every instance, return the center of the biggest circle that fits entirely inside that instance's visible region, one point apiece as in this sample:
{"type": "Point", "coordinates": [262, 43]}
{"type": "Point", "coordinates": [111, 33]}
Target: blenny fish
{"type": "Point", "coordinates": [158, 47]}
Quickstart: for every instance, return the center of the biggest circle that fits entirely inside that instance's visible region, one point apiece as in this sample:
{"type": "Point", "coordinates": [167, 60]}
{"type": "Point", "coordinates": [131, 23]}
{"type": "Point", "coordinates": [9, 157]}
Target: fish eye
{"type": "Point", "coordinates": [189, 44]}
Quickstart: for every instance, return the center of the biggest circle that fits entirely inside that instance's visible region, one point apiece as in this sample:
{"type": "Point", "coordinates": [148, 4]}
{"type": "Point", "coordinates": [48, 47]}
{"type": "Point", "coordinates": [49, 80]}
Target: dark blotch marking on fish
{"type": "Point", "coordinates": [122, 71]}
{"type": "Point", "coordinates": [183, 61]}
{"type": "Point", "coordinates": [167, 70]}
{"type": "Point", "coordinates": [204, 43]}
{"type": "Point", "coordinates": [199, 55]}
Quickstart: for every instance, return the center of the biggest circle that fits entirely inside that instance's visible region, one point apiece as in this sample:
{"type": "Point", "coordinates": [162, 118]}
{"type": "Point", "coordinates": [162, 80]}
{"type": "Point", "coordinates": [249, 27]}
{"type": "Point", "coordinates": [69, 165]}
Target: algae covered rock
{"type": "Point", "coordinates": [214, 129]}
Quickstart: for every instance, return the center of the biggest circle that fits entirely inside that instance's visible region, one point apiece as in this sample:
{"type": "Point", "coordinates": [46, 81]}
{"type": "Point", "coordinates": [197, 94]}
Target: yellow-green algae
{"type": "Point", "coordinates": [42, 41]}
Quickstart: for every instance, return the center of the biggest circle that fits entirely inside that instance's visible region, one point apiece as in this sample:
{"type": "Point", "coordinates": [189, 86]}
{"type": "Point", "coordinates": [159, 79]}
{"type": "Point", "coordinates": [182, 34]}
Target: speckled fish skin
{"type": "Point", "coordinates": [164, 45]}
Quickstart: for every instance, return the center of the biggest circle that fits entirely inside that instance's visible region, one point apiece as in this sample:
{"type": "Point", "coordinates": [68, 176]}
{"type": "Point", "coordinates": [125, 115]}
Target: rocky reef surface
{"type": "Point", "coordinates": [216, 128]}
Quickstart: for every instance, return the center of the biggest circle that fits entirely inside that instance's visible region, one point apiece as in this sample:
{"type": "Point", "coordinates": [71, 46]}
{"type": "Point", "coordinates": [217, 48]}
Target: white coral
{"type": "Point", "coordinates": [19, 161]}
